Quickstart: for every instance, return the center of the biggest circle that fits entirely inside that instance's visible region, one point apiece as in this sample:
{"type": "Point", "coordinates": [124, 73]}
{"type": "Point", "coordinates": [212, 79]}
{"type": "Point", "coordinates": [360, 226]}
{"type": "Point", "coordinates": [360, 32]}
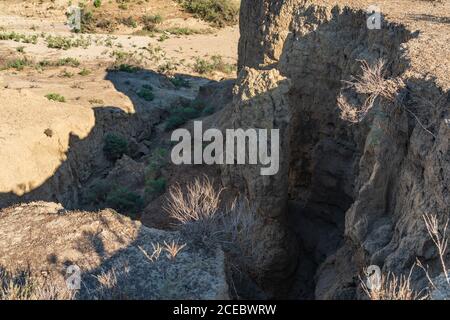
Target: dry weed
{"type": "Point", "coordinates": [392, 287]}
{"type": "Point", "coordinates": [371, 83]}
{"type": "Point", "coordinates": [22, 285]}
{"type": "Point", "coordinates": [173, 249]}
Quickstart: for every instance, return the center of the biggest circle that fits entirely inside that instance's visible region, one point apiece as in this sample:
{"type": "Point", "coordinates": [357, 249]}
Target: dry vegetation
{"type": "Point", "coordinates": [200, 214]}
{"type": "Point", "coordinates": [392, 287]}
{"type": "Point", "coordinates": [373, 84]}
{"type": "Point", "coordinates": [21, 285]}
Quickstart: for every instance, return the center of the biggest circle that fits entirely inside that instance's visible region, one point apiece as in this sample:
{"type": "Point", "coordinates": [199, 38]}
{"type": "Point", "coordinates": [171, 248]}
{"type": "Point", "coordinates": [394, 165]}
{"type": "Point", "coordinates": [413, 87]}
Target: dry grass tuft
{"type": "Point", "coordinates": [371, 83]}
{"type": "Point", "coordinates": [173, 249]}
{"type": "Point", "coordinates": [201, 202]}
{"type": "Point", "coordinates": [440, 239]}
{"type": "Point", "coordinates": [22, 285]}
{"type": "Point", "coordinates": [157, 250]}
{"type": "Point", "coordinates": [201, 218]}
{"type": "Point", "coordinates": [392, 287]}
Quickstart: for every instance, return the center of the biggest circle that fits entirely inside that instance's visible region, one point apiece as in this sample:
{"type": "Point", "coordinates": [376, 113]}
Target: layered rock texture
{"type": "Point", "coordinates": [353, 194]}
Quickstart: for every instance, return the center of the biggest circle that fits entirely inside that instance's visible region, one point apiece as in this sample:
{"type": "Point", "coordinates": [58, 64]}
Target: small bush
{"type": "Point", "coordinates": [219, 12]}
{"type": "Point", "coordinates": [146, 93]}
{"type": "Point", "coordinates": [98, 192]}
{"type": "Point", "coordinates": [68, 62]}
{"type": "Point", "coordinates": [84, 72]}
{"type": "Point", "coordinates": [19, 37]}
{"type": "Point", "coordinates": [156, 187]}
{"type": "Point", "coordinates": [216, 63]}
{"type": "Point", "coordinates": [115, 146]}
{"type": "Point", "coordinates": [184, 31]}
{"type": "Point", "coordinates": [150, 22]}
{"type": "Point", "coordinates": [55, 97]}
{"type": "Point", "coordinates": [180, 116]}
{"type": "Point", "coordinates": [179, 82]}
{"type": "Point", "coordinates": [208, 111]}
{"type": "Point", "coordinates": [129, 22]}
{"type": "Point", "coordinates": [65, 43]}
{"type": "Point", "coordinates": [123, 200]}
{"type": "Point", "coordinates": [97, 3]}
{"type": "Point", "coordinates": [18, 64]}
{"type": "Point", "coordinates": [174, 121]}
{"type": "Point", "coordinates": [124, 67]}
{"type": "Point", "coordinates": [66, 74]}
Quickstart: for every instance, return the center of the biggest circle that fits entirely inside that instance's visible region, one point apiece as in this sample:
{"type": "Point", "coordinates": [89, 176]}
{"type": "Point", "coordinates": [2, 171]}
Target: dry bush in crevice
{"type": "Point", "coordinates": [392, 287]}
{"type": "Point", "coordinates": [202, 218]}
{"type": "Point", "coordinates": [439, 238]}
{"type": "Point", "coordinates": [22, 285]}
{"type": "Point", "coordinates": [400, 288]}
{"type": "Point", "coordinates": [373, 84]}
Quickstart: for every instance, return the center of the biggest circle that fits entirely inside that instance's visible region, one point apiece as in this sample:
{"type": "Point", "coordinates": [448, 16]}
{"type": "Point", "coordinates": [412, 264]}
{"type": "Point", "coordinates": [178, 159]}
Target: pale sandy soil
{"type": "Point", "coordinates": [179, 52]}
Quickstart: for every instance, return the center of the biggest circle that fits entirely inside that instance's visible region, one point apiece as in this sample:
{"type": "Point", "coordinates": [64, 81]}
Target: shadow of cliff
{"type": "Point", "coordinates": [430, 18]}
{"type": "Point", "coordinates": [85, 159]}
{"type": "Point", "coordinates": [325, 172]}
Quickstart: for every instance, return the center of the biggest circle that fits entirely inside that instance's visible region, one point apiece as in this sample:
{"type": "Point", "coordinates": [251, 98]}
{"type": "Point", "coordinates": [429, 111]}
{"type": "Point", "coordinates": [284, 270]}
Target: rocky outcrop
{"type": "Point", "coordinates": [115, 257]}
{"type": "Point", "coordinates": [353, 194]}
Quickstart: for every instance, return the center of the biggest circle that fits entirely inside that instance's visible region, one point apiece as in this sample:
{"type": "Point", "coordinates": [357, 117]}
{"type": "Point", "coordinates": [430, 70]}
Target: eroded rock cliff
{"type": "Point", "coordinates": [353, 194]}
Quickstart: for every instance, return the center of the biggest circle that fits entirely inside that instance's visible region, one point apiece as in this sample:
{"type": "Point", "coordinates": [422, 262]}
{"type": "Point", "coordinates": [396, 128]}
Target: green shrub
{"type": "Point", "coordinates": [84, 72]}
{"type": "Point", "coordinates": [208, 111]}
{"type": "Point", "coordinates": [65, 43]}
{"type": "Point", "coordinates": [174, 121]}
{"type": "Point", "coordinates": [125, 67]}
{"type": "Point", "coordinates": [129, 22]}
{"type": "Point", "coordinates": [185, 31]}
{"type": "Point", "coordinates": [66, 74]}
{"type": "Point", "coordinates": [179, 82]}
{"type": "Point", "coordinates": [115, 146]}
{"type": "Point", "coordinates": [55, 97]}
{"type": "Point", "coordinates": [98, 192]}
{"type": "Point", "coordinates": [18, 64]}
{"type": "Point", "coordinates": [156, 187]}
{"type": "Point", "coordinates": [180, 116]}
{"type": "Point", "coordinates": [216, 63]}
{"type": "Point", "coordinates": [146, 93]}
{"type": "Point", "coordinates": [156, 163]}
{"type": "Point", "coordinates": [218, 12]}
{"type": "Point", "coordinates": [19, 37]}
{"type": "Point", "coordinates": [123, 200]}
{"type": "Point", "coordinates": [97, 3]}
{"type": "Point", "coordinates": [68, 62]}
{"type": "Point", "coordinates": [150, 22]}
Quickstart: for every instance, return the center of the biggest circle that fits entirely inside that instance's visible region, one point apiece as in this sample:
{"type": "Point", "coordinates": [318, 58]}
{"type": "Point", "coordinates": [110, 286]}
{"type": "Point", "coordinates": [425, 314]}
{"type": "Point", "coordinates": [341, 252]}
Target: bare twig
{"type": "Point", "coordinates": [439, 238]}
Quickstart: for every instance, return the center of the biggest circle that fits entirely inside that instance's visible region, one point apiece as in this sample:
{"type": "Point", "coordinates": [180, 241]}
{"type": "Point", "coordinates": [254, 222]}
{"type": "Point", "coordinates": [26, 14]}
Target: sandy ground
{"type": "Point", "coordinates": [174, 55]}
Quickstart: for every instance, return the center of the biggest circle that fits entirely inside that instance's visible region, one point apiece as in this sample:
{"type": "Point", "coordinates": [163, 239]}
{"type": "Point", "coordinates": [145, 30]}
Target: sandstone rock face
{"type": "Point", "coordinates": [353, 194]}
{"type": "Point", "coordinates": [116, 255]}
{"type": "Point", "coordinates": [260, 101]}
{"type": "Point", "coordinates": [49, 150]}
